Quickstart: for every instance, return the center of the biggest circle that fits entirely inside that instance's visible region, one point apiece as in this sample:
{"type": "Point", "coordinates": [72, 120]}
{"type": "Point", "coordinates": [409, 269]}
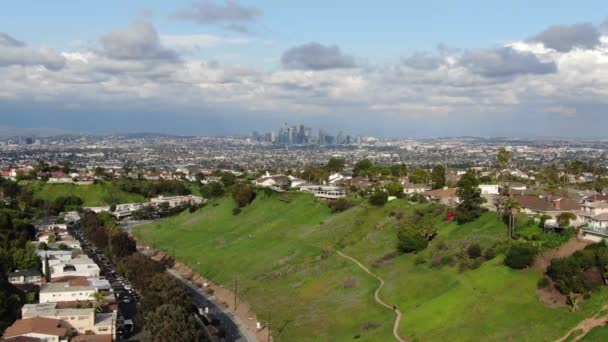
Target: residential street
{"type": "Point", "coordinates": [228, 323]}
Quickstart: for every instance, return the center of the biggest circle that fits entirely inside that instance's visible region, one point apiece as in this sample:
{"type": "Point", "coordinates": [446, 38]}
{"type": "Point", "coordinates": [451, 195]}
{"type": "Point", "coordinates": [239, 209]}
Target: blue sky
{"type": "Point", "coordinates": [336, 63]}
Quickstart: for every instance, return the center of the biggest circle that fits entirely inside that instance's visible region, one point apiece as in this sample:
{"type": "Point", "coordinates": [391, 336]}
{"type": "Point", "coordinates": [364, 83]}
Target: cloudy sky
{"type": "Point", "coordinates": [384, 68]}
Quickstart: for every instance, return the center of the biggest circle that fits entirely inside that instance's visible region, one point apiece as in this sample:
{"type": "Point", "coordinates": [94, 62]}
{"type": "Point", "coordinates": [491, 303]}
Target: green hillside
{"type": "Point", "coordinates": [280, 252]}
{"type": "Point", "coordinates": [100, 194]}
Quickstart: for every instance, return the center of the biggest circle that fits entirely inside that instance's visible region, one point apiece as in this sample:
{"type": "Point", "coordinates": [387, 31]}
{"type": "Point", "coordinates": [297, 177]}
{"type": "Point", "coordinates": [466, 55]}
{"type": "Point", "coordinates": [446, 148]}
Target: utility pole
{"type": "Point", "coordinates": [236, 289]}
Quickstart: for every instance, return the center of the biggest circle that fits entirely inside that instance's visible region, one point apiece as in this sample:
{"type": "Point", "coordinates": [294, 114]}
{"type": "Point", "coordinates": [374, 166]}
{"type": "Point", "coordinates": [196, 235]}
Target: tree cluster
{"type": "Point", "coordinates": [581, 272]}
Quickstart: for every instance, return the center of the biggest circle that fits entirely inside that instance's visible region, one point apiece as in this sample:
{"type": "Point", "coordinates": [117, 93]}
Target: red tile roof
{"type": "Point", "coordinates": [38, 325]}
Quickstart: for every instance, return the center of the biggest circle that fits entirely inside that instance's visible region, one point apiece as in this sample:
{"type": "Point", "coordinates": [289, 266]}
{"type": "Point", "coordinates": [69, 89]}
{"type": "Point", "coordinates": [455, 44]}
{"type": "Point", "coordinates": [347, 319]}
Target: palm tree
{"type": "Point", "coordinates": [511, 206]}
{"type": "Point", "coordinates": [98, 299]}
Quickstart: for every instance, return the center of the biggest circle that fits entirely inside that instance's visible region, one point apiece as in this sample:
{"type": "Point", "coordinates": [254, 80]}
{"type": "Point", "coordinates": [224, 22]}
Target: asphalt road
{"type": "Point", "coordinates": [127, 298]}
{"type": "Point", "coordinates": [228, 324]}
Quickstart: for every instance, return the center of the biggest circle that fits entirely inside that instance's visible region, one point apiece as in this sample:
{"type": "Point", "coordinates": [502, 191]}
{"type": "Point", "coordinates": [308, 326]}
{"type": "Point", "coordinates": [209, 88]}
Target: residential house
{"type": "Point", "coordinates": [20, 277]}
{"type": "Point", "coordinates": [324, 191]}
{"type": "Point", "coordinates": [272, 181]}
{"type": "Point", "coordinates": [411, 188]}
{"type": "Point", "coordinates": [489, 189]}
{"type": "Point", "coordinates": [64, 292]}
{"type": "Point", "coordinates": [338, 176]}
{"type": "Point", "coordinates": [81, 266]}
{"type": "Point", "coordinates": [445, 196]}
{"type": "Point", "coordinates": [37, 328]}
{"type": "Point", "coordinates": [175, 201]}
{"type": "Point", "coordinates": [81, 321]}
{"type": "Point", "coordinates": [549, 206]}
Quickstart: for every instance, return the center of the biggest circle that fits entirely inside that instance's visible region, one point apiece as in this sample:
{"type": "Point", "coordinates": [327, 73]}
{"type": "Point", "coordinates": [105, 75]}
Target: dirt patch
{"type": "Point", "coordinates": [583, 328]}
{"type": "Point", "coordinates": [544, 260]}
{"type": "Point", "coordinates": [552, 298]}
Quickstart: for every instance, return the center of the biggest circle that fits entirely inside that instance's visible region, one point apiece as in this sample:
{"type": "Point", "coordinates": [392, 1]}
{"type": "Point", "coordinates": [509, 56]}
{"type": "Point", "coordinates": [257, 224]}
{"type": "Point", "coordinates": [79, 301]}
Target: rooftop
{"type": "Point", "coordinates": [64, 287]}
{"type": "Point", "coordinates": [39, 325]}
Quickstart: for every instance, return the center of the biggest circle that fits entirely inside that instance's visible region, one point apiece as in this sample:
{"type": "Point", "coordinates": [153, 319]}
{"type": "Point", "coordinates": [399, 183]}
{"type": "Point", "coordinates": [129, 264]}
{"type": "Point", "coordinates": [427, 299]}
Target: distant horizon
{"type": "Point", "coordinates": [43, 132]}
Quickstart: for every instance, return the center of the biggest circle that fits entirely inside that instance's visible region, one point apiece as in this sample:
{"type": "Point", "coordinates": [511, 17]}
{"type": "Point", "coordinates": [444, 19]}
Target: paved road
{"type": "Point", "coordinates": [377, 295]}
{"type": "Point", "coordinates": [228, 323]}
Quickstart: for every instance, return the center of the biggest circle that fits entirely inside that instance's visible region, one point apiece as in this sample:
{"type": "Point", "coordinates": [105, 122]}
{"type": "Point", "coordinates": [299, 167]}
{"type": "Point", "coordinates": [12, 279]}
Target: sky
{"type": "Point", "coordinates": [386, 68]}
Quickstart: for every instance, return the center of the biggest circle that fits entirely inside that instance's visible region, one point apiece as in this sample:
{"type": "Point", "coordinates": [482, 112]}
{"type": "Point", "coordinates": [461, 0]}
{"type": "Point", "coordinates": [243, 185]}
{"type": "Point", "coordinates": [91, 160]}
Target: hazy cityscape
{"type": "Point", "coordinates": [257, 171]}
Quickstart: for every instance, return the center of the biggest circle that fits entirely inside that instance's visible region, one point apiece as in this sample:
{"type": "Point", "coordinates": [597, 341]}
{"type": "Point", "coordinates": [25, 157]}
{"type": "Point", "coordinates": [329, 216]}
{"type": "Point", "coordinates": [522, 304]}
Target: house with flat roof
{"type": "Point", "coordinates": [20, 277]}
{"type": "Point", "coordinates": [38, 329]}
{"type": "Point", "coordinates": [64, 292]}
{"type": "Point", "coordinates": [81, 266]}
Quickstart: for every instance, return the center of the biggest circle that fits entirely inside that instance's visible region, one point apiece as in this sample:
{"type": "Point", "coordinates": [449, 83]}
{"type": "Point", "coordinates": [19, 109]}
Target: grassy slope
{"type": "Point", "coordinates": [275, 250]}
{"type": "Point", "coordinates": [92, 195]}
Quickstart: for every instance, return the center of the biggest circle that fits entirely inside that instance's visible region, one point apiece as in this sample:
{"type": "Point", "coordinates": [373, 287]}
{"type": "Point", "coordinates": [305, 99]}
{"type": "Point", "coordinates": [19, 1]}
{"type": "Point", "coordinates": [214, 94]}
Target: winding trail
{"type": "Point", "coordinates": [377, 296]}
{"type": "Point", "coordinates": [586, 326]}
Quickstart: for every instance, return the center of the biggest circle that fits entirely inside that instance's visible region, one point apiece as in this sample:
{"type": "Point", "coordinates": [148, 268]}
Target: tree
{"type": "Point", "coordinates": [438, 177]}
{"type": "Point", "coordinates": [394, 189]}
{"type": "Point", "coordinates": [169, 323]}
{"type": "Point", "coordinates": [503, 158]}
{"type": "Point", "coordinates": [122, 245]}
{"type": "Point", "coordinates": [408, 241]}
{"type": "Point", "coordinates": [510, 206]}
{"type": "Point", "coordinates": [414, 235]}
{"type": "Point", "coordinates": [419, 176]}
{"type": "Point", "coordinates": [469, 194]}
{"type": "Point", "coordinates": [362, 167]}
{"type": "Point", "coordinates": [163, 289]}
{"type": "Point", "coordinates": [335, 165]}
{"type": "Point", "coordinates": [98, 299]}
{"type": "Point", "coordinates": [565, 219]}
{"type": "Point", "coordinates": [378, 198]}
{"type": "Point", "coordinates": [228, 179]}
{"type": "Point", "coordinates": [212, 190]}
{"type": "Point", "coordinates": [520, 256]}
{"type": "Point", "coordinates": [243, 194]}
{"type": "Point", "coordinates": [398, 170]}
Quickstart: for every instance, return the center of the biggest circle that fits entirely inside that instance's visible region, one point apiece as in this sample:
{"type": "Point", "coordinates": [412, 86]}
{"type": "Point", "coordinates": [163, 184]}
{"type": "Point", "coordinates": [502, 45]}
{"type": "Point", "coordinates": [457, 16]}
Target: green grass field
{"type": "Point", "coordinates": [101, 194]}
{"type": "Point", "coordinates": [278, 251]}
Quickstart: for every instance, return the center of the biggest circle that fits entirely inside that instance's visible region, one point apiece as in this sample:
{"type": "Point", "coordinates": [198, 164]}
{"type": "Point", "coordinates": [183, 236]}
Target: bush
{"type": "Point", "coordinates": [243, 194]}
{"type": "Point", "coordinates": [543, 283]}
{"type": "Point", "coordinates": [409, 241]}
{"type": "Point", "coordinates": [489, 253]}
{"type": "Point", "coordinates": [520, 256]}
{"type": "Point", "coordinates": [378, 198]}
{"type": "Point", "coordinates": [474, 251]}
{"type": "Point", "coordinates": [340, 205]}
{"type": "Point", "coordinates": [419, 260]}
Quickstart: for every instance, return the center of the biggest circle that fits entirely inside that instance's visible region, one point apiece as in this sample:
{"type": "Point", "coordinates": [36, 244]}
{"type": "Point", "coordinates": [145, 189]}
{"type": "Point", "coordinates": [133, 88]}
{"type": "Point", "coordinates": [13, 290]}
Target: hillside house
{"type": "Point", "coordinates": [325, 192]}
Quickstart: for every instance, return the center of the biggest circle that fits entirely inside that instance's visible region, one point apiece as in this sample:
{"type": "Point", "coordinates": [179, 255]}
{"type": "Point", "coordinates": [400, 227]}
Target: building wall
{"type": "Point", "coordinates": [82, 295]}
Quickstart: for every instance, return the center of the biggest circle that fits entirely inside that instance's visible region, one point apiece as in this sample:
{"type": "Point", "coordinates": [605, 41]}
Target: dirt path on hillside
{"type": "Point", "coordinates": [221, 295]}
{"type": "Point", "coordinates": [544, 260]}
{"type": "Point", "coordinates": [586, 325]}
{"type": "Point", "coordinates": [377, 296]}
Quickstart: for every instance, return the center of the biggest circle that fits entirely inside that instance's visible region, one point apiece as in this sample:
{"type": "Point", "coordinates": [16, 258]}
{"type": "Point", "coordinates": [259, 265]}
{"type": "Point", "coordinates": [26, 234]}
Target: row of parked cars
{"type": "Point", "coordinates": [126, 297]}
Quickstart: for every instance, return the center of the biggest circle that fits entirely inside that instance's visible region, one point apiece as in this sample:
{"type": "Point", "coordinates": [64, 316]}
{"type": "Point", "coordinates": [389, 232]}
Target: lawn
{"type": "Point", "coordinates": [279, 248]}
{"type": "Point", "coordinates": [101, 194]}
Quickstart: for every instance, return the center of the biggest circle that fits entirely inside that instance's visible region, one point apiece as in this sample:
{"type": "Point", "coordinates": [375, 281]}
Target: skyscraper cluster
{"type": "Point", "coordinates": [301, 135]}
